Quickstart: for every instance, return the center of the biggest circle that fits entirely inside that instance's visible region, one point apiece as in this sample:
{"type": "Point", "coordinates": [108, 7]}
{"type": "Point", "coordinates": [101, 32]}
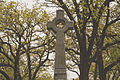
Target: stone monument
{"type": "Point", "coordinates": [60, 25]}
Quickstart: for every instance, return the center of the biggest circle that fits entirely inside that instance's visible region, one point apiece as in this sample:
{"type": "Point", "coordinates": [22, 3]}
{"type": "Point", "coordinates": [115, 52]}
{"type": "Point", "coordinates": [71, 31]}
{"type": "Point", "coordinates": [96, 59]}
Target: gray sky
{"type": "Point", "coordinates": [29, 3]}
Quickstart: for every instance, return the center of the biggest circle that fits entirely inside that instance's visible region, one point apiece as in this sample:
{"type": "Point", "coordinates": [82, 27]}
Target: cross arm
{"type": "Point", "coordinates": [70, 25]}
{"type": "Point", "coordinates": [50, 26]}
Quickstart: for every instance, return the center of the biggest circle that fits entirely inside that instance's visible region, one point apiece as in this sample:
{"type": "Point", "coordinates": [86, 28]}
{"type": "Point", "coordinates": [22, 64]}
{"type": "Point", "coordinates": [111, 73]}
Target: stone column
{"type": "Point", "coordinates": [60, 62]}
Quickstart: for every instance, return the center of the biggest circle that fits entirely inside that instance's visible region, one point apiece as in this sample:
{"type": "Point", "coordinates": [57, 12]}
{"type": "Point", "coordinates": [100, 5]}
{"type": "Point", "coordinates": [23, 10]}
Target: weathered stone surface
{"type": "Point", "coordinates": [60, 62]}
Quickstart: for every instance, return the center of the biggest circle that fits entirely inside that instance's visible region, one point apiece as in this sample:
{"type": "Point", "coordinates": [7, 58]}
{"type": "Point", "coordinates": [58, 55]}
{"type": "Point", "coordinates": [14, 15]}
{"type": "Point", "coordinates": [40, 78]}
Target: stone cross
{"type": "Point", "coordinates": [60, 25]}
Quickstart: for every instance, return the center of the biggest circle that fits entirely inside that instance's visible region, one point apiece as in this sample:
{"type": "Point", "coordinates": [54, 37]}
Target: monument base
{"type": "Point", "coordinates": [60, 74]}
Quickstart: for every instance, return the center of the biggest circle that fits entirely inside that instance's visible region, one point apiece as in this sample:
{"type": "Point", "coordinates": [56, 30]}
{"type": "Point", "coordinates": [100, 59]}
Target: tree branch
{"type": "Point", "coordinates": [111, 65]}
{"type": "Point", "coordinates": [6, 55]}
{"type": "Point", "coordinates": [72, 51]}
{"type": "Point", "coordinates": [66, 9]}
{"type": "Point", "coordinates": [10, 48]}
{"type": "Point", "coordinates": [76, 9]}
{"type": "Point", "coordinates": [73, 71]}
{"type": "Point", "coordinates": [40, 64]}
{"type": "Point", "coordinates": [5, 75]}
{"type": "Point", "coordinates": [7, 65]}
{"type": "Point", "coordinates": [110, 44]}
{"type": "Point", "coordinates": [113, 21]}
{"type": "Point", "coordinates": [106, 2]}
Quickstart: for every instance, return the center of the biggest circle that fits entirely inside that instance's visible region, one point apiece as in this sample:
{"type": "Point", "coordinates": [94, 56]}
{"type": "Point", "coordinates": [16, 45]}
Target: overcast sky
{"type": "Point", "coordinates": [29, 3]}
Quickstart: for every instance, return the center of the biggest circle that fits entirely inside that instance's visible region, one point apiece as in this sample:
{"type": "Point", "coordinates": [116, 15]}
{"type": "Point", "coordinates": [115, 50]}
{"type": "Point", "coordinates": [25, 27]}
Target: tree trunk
{"type": "Point", "coordinates": [95, 73]}
{"type": "Point", "coordinates": [102, 74]}
{"type": "Point", "coordinates": [17, 75]}
{"type": "Point", "coordinates": [84, 67]}
{"type": "Point", "coordinates": [29, 65]}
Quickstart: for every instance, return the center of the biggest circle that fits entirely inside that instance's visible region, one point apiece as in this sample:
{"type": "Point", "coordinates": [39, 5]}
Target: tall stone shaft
{"type": "Point", "coordinates": [60, 62]}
